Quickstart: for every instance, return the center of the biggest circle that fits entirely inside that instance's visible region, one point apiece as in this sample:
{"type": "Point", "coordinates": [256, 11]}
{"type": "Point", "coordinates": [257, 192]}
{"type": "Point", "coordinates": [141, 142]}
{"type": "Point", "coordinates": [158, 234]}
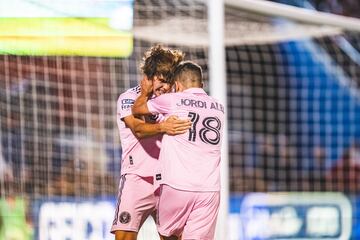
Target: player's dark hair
{"type": "Point", "coordinates": [161, 61]}
{"type": "Point", "coordinates": [188, 73]}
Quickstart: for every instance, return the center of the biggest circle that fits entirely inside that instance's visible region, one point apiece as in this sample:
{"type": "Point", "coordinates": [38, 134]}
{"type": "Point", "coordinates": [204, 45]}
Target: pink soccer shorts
{"type": "Point", "coordinates": [192, 214]}
{"type": "Point", "coordinates": [137, 200]}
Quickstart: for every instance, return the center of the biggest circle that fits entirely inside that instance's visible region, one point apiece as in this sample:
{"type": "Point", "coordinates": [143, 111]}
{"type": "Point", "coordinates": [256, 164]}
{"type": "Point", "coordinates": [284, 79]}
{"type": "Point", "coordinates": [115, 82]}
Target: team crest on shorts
{"type": "Point", "coordinates": [125, 217]}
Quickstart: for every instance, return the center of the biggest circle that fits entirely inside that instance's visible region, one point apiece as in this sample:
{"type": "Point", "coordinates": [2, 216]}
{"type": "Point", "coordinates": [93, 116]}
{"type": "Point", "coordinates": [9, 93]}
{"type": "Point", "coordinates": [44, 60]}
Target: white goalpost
{"type": "Point", "coordinates": [218, 90]}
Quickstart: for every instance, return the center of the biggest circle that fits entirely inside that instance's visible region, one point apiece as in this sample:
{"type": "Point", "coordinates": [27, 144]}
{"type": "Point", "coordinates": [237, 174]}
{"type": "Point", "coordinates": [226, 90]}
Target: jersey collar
{"type": "Point", "coordinates": [195, 90]}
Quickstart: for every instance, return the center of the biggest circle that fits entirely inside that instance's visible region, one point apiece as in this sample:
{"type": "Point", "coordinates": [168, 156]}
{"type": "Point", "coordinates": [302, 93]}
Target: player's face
{"type": "Point", "coordinates": [160, 86]}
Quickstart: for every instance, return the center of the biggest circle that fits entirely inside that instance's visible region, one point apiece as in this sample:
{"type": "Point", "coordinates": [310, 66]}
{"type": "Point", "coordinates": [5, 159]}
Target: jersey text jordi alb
{"type": "Point", "coordinates": [191, 161]}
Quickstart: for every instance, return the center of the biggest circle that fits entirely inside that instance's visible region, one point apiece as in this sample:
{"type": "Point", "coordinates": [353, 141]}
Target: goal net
{"type": "Point", "coordinates": [293, 107]}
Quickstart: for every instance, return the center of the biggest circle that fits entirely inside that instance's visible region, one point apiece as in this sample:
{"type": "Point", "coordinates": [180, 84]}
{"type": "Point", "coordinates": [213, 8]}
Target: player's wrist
{"type": "Point", "coordinates": [162, 127]}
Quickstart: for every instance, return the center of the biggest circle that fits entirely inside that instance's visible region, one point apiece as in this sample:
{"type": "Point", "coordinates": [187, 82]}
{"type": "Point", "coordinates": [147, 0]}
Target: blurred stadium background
{"type": "Point", "coordinates": [293, 113]}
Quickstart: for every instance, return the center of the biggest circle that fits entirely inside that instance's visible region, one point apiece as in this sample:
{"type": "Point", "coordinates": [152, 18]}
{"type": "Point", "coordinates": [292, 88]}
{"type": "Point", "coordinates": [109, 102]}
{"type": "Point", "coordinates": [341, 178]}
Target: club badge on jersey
{"type": "Point", "coordinates": [125, 217]}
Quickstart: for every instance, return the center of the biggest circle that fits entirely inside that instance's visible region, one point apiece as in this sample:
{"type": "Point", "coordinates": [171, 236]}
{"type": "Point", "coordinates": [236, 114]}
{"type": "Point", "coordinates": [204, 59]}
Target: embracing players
{"type": "Point", "coordinates": [190, 162]}
{"type": "Point", "coordinates": [141, 142]}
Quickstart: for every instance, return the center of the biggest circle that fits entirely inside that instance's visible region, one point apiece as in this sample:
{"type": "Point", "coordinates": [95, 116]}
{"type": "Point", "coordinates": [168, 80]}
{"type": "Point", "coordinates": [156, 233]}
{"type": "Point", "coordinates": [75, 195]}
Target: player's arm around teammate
{"type": "Point", "coordinates": [171, 126]}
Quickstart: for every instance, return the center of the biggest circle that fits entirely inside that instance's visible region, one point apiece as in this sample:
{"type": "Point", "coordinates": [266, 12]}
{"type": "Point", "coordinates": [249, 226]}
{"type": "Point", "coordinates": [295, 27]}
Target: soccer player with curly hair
{"type": "Point", "coordinates": [141, 142]}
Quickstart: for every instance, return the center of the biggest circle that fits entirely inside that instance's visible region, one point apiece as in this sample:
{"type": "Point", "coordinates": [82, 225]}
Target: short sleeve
{"type": "Point", "coordinates": [160, 104]}
{"type": "Point", "coordinates": [124, 104]}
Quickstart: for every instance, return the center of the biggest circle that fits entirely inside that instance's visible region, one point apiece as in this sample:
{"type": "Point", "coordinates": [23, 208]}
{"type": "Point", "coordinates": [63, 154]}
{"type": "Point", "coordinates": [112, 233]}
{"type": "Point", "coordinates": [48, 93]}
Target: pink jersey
{"type": "Point", "coordinates": [191, 161]}
{"type": "Point", "coordinates": [139, 156]}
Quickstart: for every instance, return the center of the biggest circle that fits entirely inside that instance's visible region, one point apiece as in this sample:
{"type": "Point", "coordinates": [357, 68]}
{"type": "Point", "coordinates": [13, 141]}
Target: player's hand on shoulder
{"type": "Point", "coordinates": [173, 125]}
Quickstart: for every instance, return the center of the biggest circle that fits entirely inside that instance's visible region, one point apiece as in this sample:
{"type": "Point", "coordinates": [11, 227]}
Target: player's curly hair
{"type": "Point", "coordinates": [161, 61]}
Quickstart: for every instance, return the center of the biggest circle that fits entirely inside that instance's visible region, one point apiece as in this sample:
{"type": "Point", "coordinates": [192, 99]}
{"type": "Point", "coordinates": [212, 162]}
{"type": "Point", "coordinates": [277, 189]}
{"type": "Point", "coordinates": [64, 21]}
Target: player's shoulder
{"type": "Point", "coordinates": [135, 90]}
{"type": "Point", "coordinates": [172, 94]}
{"type": "Point", "coordinates": [185, 94]}
{"type": "Point", "coordinates": [167, 97]}
{"type": "Point", "coordinates": [131, 93]}
{"type": "Point", "coordinates": [128, 97]}
{"type": "Point", "coordinates": [210, 98]}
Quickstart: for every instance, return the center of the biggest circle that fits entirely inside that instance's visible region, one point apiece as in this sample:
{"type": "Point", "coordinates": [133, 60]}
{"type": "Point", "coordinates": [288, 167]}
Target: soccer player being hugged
{"type": "Point", "coordinates": [190, 162]}
{"type": "Point", "coordinates": [141, 142]}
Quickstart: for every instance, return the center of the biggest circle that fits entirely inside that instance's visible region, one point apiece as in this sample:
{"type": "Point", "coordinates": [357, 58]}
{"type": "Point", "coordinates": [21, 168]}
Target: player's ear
{"type": "Point", "coordinates": [177, 86]}
{"type": "Point", "coordinates": [173, 88]}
